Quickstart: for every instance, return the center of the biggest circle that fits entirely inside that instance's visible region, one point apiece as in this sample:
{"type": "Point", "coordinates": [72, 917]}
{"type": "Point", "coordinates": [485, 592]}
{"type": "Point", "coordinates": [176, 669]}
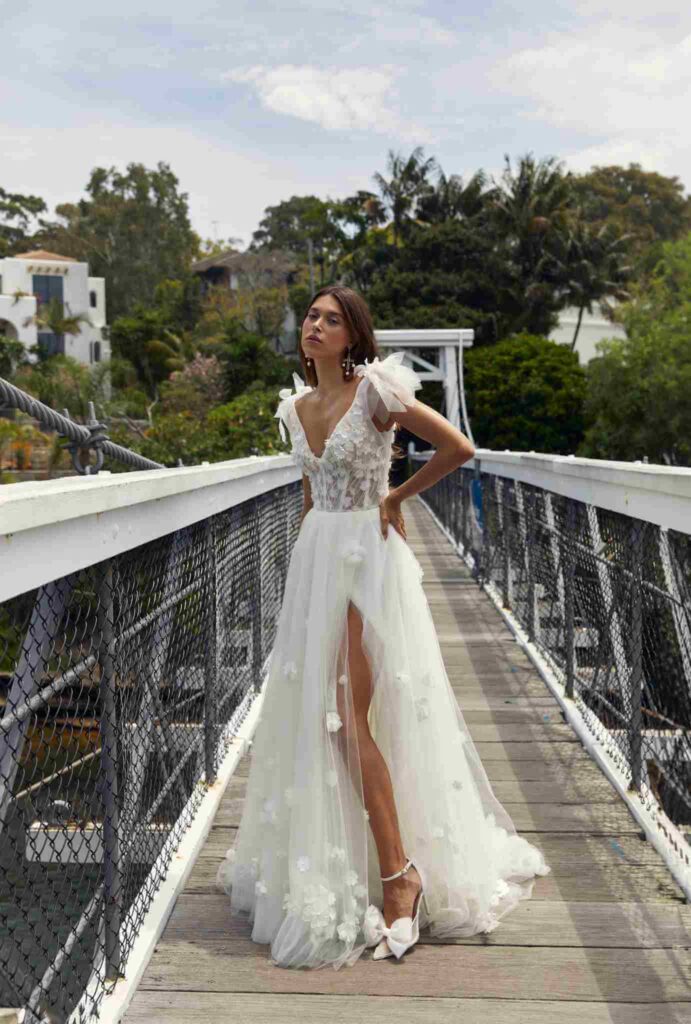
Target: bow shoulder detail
{"type": "Point", "coordinates": [392, 385]}
{"type": "Point", "coordinates": [288, 396]}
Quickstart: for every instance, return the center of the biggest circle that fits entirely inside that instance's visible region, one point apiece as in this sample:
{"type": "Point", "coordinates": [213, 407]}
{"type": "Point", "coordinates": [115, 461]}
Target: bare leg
{"type": "Point", "coordinates": [399, 893]}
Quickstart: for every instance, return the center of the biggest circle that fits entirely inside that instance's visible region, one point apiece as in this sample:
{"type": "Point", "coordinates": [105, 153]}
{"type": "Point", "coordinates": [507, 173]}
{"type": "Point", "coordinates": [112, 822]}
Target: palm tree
{"type": "Point", "coordinates": [452, 199]}
{"type": "Point", "coordinates": [530, 211]}
{"type": "Point", "coordinates": [407, 182]}
{"type": "Point", "coordinates": [50, 316]}
{"type": "Point", "coordinates": [592, 265]}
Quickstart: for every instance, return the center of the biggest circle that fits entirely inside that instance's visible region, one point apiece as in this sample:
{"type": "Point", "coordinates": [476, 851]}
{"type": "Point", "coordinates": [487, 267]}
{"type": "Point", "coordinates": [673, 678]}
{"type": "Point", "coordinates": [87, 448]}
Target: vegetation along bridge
{"type": "Point", "coordinates": [137, 615]}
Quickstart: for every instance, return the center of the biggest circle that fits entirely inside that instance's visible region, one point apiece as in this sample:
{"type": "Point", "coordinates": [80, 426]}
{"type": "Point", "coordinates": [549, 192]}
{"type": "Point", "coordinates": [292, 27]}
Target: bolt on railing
{"type": "Point", "coordinates": [91, 436]}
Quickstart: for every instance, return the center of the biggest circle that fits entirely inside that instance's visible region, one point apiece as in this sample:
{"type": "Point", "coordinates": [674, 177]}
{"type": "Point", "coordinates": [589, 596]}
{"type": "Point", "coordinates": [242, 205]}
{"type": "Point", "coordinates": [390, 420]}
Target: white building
{"type": "Point", "coordinates": [31, 278]}
{"type": "Point", "coordinates": [594, 327]}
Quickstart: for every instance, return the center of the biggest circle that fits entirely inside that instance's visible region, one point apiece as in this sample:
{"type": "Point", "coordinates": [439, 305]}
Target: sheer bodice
{"type": "Point", "coordinates": [352, 472]}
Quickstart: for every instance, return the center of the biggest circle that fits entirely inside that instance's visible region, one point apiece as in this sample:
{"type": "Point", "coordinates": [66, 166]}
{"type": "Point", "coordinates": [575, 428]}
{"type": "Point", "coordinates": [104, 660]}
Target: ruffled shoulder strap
{"type": "Point", "coordinates": [284, 408]}
{"type": "Point", "coordinates": [392, 385]}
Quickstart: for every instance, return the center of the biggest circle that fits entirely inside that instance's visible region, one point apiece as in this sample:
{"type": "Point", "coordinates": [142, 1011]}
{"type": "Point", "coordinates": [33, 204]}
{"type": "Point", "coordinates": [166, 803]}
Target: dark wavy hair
{"type": "Point", "coordinates": [359, 324]}
{"type": "Point", "coordinates": [360, 327]}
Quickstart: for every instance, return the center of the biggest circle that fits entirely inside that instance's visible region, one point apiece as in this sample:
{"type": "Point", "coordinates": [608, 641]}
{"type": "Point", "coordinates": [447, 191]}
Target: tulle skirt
{"type": "Point", "coordinates": [304, 866]}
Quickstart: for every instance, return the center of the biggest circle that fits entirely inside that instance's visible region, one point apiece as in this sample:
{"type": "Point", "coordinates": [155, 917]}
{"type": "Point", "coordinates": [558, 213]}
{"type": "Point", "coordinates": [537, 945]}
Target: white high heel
{"type": "Point", "coordinates": [404, 932]}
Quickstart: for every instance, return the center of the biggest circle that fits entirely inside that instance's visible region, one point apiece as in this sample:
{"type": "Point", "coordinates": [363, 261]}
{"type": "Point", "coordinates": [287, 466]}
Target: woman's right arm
{"type": "Point", "coordinates": [306, 496]}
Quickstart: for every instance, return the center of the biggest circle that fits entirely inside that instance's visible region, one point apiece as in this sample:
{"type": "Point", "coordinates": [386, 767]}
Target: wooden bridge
{"type": "Point", "coordinates": [606, 936]}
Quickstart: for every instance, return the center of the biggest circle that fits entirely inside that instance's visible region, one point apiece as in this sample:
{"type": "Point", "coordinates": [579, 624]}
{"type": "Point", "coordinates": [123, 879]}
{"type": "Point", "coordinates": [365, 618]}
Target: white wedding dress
{"type": "Point", "coordinates": [304, 867]}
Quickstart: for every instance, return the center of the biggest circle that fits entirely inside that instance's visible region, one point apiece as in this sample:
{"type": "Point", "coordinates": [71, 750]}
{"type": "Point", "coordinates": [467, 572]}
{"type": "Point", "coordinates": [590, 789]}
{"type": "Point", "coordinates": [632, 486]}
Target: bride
{"type": "Point", "coordinates": [368, 813]}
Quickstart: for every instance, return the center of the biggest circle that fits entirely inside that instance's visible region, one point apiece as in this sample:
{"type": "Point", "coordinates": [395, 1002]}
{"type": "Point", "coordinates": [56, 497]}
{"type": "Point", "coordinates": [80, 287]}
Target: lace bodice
{"type": "Point", "coordinates": [353, 470]}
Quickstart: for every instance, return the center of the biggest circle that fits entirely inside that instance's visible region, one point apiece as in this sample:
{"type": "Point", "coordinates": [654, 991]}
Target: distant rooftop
{"type": "Point", "coordinates": [43, 254]}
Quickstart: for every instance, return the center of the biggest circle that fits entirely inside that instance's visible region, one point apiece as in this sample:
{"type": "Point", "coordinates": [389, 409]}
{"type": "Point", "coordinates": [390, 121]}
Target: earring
{"type": "Point", "coordinates": [348, 364]}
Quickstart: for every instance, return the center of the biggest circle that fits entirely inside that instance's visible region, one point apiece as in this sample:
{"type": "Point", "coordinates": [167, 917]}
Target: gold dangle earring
{"type": "Point", "coordinates": [348, 363]}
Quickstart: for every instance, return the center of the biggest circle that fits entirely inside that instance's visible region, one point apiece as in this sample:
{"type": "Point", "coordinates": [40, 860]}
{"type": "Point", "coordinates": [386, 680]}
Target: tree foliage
{"type": "Point", "coordinates": [648, 207]}
{"type": "Point", "coordinates": [638, 387]}
{"type": "Point", "coordinates": [526, 393]}
{"type": "Point", "coordinates": [133, 229]}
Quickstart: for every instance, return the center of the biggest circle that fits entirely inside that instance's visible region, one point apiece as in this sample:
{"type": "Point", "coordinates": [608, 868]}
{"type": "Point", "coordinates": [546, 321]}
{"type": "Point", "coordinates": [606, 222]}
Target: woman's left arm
{"type": "Point", "coordinates": [453, 448]}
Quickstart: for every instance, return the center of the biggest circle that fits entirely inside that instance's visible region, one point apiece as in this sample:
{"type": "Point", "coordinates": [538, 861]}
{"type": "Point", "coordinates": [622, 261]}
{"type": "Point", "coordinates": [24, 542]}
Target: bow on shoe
{"type": "Point", "coordinates": [288, 395]}
{"type": "Point", "coordinates": [393, 384]}
{"type": "Point", "coordinates": [399, 936]}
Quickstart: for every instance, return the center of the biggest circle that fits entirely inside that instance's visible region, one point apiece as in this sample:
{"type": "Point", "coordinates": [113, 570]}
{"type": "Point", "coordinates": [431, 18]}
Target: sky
{"type": "Point", "coordinates": [251, 103]}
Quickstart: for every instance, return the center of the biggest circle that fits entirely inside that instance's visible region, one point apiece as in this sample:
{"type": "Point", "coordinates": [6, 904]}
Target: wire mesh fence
{"type": "Point", "coordinates": [606, 598]}
{"type": "Point", "coordinates": [121, 687]}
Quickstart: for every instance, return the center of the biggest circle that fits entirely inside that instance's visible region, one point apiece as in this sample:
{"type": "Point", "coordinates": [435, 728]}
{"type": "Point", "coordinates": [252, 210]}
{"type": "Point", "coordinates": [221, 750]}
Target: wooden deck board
{"type": "Point", "coordinates": [605, 938]}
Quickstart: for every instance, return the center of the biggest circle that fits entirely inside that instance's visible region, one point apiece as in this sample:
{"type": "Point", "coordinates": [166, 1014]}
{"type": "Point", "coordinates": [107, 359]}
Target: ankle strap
{"type": "Point", "coordinates": [397, 874]}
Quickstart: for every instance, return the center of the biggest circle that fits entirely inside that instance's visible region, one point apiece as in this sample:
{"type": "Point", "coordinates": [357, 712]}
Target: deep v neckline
{"type": "Point", "coordinates": [338, 424]}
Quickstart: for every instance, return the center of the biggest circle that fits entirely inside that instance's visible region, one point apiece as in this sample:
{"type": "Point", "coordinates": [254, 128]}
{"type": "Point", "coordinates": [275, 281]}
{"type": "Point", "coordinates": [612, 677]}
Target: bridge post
{"type": "Point", "coordinates": [530, 534]}
{"type": "Point", "coordinates": [112, 867]}
{"type": "Point", "coordinates": [505, 522]}
{"type": "Point", "coordinates": [211, 673]}
{"type": "Point", "coordinates": [567, 570]}
{"type": "Point", "coordinates": [636, 539]}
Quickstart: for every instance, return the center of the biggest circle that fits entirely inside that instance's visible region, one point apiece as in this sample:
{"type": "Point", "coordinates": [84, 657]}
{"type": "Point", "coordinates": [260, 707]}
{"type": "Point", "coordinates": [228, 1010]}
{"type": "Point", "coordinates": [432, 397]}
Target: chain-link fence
{"type": "Point", "coordinates": [606, 598]}
{"type": "Point", "coordinates": [121, 687]}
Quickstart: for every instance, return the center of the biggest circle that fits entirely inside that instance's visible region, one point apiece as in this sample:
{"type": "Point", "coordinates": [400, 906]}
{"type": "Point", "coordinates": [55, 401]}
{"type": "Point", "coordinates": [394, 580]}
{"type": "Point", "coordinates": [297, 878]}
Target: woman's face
{"type": "Point", "coordinates": [324, 330]}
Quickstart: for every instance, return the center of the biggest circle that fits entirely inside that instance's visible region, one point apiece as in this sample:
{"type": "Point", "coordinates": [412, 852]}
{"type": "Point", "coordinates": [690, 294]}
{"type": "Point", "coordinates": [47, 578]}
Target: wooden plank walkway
{"type": "Point", "coordinates": [605, 938]}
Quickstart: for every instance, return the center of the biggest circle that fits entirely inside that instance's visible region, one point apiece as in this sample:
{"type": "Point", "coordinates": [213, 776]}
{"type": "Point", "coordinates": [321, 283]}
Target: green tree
{"type": "Point", "coordinates": [591, 266]}
{"type": "Point", "coordinates": [447, 275]}
{"type": "Point", "coordinates": [50, 316]}
{"type": "Point", "coordinates": [531, 207]}
{"type": "Point", "coordinates": [306, 227]}
{"type": "Point", "coordinates": [648, 207]}
{"type": "Point", "coordinates": [12, 355]}
{"type": "Point", "coordinates": [245, 426]}
{"type": "Point", "coordinates": [16, 213]}
{"type": "Point", "coordinates": [638, 387]}
{"type": "Point", "coordinates": [407, 183]}
{"type": "Point", "coordinates": [60, 382]}
{"type": "Point", "coordinates": [453, 199]}
{"type": "Point", "coordinates": [526, 393]}
{"type": "Point", "coordinates": [133, 229]}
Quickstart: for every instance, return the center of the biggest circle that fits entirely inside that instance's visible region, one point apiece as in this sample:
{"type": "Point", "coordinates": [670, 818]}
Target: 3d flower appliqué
{"type": "Point", "coordinates": [260, 888]}
{"type": "Point", "coordinates": [303, 863]}
{"type": "Point", "coordinates": [438, 832]}
{"type": "Point", "coordinates": [457, 784]}
{"type": "Point", "coordinates": [290, 670]}
{"type": "Point", "coordinates": [268, 812]}
{"type": "Point", "coordinates": [337, 853]}
{"type": "Point", "coordinates": [343, 679]}
{"type": "Point", "coordinates": [402, 678]}
{"type": "Point", "coordinates": [319, 910]}
{"type": "Point", "coordinates": [348, 929]}
{"type": "Point", "coordinates": [333, 721]}
{"type": "Point", "coordinates": [422, 708]}
{"type": "Point", "coordinates": [353, 553]}
{"type": "Point", "coordinates": [360, 891]}
{"type": "Point", "coordinates": [350, 877]}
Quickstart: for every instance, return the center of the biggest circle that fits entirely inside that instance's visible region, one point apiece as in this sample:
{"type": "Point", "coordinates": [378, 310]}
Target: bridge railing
{"type": "Point", "coordinates": [590, 561]}
{"type": "Point", "coordinates": [137, 613]}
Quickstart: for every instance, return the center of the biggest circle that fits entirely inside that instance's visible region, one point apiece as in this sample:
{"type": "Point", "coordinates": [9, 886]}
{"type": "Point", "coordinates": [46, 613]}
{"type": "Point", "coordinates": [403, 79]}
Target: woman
{"type": "Point", "coordinates": [368, 813]}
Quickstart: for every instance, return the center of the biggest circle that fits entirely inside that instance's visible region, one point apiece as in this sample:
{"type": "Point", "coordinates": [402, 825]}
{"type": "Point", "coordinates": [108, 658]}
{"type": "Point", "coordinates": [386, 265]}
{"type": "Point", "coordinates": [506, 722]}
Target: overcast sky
{"type": "Point", "coordinates": [253, 102]}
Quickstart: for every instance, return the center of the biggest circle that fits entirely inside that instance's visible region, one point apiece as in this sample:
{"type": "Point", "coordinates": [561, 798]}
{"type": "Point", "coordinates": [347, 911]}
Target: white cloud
{"type": "Point", "coordinates": [623, 88]}
{"type": "Point", "coordinates": [336, 99]}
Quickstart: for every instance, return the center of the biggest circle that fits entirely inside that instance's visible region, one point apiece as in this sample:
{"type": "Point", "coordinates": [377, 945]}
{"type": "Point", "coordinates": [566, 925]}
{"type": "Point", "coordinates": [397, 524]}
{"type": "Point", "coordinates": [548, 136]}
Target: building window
{"type": "Point", "coordinates": [51, 344]}
{"type": "Point", "coordinates": [93, 299]}
{"type": "Point", "coordinates": [95, 351]}
{"type": "Point", "coordinates": [46, 287]}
